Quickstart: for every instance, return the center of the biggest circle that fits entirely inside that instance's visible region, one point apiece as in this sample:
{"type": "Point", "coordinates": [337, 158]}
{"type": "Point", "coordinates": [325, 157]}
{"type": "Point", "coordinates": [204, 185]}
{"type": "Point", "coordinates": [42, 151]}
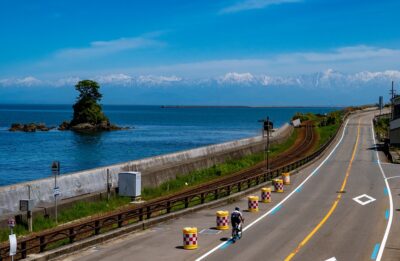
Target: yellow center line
{"type": "Point", "coordinates": [335, 203]}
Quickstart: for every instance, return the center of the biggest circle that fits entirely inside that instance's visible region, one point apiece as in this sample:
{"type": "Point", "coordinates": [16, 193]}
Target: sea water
{"type": "Point", "coordinates": [154, 130]}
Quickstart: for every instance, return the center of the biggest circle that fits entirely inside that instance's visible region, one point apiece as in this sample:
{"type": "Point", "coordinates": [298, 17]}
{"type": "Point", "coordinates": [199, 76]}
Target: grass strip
{"type": "Point", "coordinates": [217, 171]}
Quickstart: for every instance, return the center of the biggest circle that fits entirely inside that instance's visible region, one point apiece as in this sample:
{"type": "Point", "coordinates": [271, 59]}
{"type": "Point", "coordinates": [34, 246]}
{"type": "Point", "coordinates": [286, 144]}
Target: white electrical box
{"type": "Point", "coordinates": [130, 184]}
{"type": "Point", "coordinates": [296, 123]}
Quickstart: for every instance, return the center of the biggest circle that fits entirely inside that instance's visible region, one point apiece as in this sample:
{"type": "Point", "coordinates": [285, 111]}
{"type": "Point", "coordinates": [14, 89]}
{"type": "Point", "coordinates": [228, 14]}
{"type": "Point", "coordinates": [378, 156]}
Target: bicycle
{"type": "Point", "coordinates": [237, 232]}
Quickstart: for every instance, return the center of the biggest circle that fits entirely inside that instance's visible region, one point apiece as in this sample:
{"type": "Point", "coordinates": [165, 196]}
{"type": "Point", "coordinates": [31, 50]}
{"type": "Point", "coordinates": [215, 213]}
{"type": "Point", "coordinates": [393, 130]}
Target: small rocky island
{"type": "Point", "coordinates": [30, 127]}
{"type": "Point", "coordinates": [88, 115]}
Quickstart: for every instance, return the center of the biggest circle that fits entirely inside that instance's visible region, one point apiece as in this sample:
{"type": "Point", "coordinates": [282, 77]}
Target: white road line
{"type": "Point", "coordinates": [393, 177]}
{"type": "Point", "coordinates": [331, 259]}
{"type": "Point", "coordinates": [386, 235]}
{"type": "Point", "coordinates": [286, 198]}
{"type": "Point", "coordinates": [363, 203]}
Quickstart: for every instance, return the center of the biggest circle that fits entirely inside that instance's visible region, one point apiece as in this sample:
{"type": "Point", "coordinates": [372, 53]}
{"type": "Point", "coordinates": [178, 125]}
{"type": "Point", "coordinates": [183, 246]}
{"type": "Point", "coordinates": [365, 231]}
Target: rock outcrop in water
{"type": "Point", "coordinates": [30, 127]}
{"type": "Point", "coordinates": [88, 127]}
{"type": "Point", "coordinates": [88, 114]}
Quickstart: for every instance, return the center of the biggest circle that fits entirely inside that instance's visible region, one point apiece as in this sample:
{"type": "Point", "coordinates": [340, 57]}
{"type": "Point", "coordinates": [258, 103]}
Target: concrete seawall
{"type": "Point", "coordinates": [155, 170]}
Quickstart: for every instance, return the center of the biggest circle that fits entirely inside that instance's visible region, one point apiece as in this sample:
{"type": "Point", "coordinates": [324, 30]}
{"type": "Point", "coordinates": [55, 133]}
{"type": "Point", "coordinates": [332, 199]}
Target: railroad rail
{"type": "Point", "coordinates": [69, 233]}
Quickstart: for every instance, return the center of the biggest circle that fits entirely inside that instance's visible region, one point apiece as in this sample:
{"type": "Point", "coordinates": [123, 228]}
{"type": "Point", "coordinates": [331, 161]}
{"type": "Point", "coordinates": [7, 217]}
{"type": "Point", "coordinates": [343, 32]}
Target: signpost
{"type": "Point", "coordinates": [11, 224]}
{"type": "Point", "coordinates": [55, 169]}
{"type": "Point", "coordinates": [13, 245]}
{"type": "Point", "coordinates": [12, 238]}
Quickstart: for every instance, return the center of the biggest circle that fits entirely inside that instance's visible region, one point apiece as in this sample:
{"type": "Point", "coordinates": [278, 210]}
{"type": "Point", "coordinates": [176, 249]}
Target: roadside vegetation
{"type": "Point", "coordinates": [217, 171]}
{"type": "Point", "coordinates": [381, 126]}
{"type": "Point", "coordinates": [78, 210]}
{"type": "Point", "coordinates": [326, 124]}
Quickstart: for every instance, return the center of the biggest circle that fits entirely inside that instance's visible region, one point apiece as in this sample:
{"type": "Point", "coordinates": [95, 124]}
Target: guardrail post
{"type": "Point", "coordinates": [23, 250]}
{"type": "Point", "coordinates": [216, 194]}
{"type": "Point", "coordinates": [120, 221]}
{"type": "Point", "coordinates": [71, 236]}
{"type": "Point", "coordinates": [202, 198]}
{"type": "Point", "coordinates": [148, 210]}
{"type": "Point", "coordinates": [228, 190]}
{"type": "Point", "coordinates": [169, 207]}
{"type": "Point", "coordinates": [96, 227]}
{"type": "Point", "coordinates": [186, 202]}
{"type": "Point", "coordinates": [141, 214]}
{"type": "Point", "coordinates": [240, 186]}
{"type": "Point", "coordinates": [248, 183]}
{"type": "Point", "coordinates": [42, 241]}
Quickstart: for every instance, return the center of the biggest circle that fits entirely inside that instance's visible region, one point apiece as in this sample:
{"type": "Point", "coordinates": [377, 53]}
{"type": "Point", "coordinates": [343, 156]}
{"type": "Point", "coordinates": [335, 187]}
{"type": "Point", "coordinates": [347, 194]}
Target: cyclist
{"type": "Point", "coordinates": [236, 221]}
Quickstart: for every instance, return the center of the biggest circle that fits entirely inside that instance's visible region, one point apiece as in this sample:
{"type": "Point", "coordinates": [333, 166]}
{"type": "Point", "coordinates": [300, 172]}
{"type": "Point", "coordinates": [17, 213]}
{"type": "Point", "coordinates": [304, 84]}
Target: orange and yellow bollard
{"type": "Point", "coordinates": [190, 238]}
{"type": "Point", "coordinates": [286, 178]}
{"type": "Point", "coordinates": [278, 185]}
{"type": "Point", "coordinates": [266, 195]}
{"type": "Point", "coordinates": [253, 203]}
{"type": "Point", "coordinates": [222, 220]}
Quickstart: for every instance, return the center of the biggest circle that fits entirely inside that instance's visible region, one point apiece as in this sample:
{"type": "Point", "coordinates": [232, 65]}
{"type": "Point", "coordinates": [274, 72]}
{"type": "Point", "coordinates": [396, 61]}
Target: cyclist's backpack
{"type": "Point", "coordinates": [235, 218]}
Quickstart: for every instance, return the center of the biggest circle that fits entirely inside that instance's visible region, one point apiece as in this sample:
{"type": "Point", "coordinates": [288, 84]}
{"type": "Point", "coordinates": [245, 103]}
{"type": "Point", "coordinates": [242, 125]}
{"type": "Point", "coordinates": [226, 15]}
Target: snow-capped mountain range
{"type": "Point", "coordinates": [327, 79]}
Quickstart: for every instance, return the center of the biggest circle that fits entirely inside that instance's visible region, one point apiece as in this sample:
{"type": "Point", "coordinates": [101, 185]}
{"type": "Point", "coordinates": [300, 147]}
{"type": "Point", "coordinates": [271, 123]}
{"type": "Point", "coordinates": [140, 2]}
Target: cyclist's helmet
{"type": "Point", "coordinates": [237, 208]}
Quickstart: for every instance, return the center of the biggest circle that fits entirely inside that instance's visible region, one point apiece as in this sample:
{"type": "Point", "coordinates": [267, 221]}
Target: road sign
{"type": "Point", "coordinates": [55, 167]}
{"type": "Point", "coordinates": [13, 244]}
{"type": "Point", "coordinates": [11, 222]}
{"type": "Point", "coordinates": [26, 204]}
{"type": "Point", "coordinates": [57, 191]}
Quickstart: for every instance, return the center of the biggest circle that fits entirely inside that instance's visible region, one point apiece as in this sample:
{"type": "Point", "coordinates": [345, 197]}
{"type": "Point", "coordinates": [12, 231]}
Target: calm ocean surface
{"type": "Point", "coordinates": [27, 156]}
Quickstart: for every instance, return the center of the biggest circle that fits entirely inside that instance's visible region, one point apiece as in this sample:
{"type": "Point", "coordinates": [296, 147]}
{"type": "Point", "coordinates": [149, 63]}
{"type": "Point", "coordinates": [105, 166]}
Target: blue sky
{"type": "Point", "coordinates": [306, 44]}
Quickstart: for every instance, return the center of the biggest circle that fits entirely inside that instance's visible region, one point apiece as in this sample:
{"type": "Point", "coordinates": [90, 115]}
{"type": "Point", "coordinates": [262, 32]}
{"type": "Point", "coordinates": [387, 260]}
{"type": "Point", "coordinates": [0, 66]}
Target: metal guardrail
{"type": "Point", "coordinates": [67, 234]}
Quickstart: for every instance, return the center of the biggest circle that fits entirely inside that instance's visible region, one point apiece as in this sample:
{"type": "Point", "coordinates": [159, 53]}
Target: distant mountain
{"type": "Point", "coordinates": [329, 88]}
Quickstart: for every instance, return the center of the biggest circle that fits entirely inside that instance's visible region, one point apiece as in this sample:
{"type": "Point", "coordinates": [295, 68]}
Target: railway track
{"type": "Point", "coordinates": [296, 152]}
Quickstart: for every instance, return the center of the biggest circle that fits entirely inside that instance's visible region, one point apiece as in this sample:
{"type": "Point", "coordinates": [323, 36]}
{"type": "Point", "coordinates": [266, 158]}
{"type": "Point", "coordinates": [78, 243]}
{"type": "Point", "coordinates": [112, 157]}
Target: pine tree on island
{"type": "Point", "coordinates": [88, 115]}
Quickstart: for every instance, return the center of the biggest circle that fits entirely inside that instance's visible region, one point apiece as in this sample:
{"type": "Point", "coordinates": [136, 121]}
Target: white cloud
{"type": "Point", "coordinates": [102, 48]}
{"type": "Point", "coordinates": [254, 4]}
{"type": "Point", "coordinates": [28, 81]}
{"type": "Point", "coordinates": [349, 59]}
{"type": "Point", "coordinates": [360, 52]}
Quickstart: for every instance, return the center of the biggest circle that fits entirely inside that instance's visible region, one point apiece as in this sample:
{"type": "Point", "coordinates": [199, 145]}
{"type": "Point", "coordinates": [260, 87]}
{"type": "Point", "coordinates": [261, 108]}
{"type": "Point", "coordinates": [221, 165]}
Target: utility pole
{"type": "Point", "coordinates": [392, 95]}
{"type": "Point", "coordinates": [109, 184]}
{"type": "Point", "coordinates": [55, 168]}
{"type": "Point", "coordinates": [29, 212]}
{"type": "Point", "coordinates": [266, 127]}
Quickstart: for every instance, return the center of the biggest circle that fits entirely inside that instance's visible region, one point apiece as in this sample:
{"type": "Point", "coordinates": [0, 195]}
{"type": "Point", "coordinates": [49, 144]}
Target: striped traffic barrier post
{"type": "Point", "coordinates": [266, 195]}
{"type": "Point", "coordinates": [190, 238]}
{"type": "Point", "coordinates": [278, 184]}
{"type": "Point", "coordinates": [253, 203]}
{"type": "Point", "coordinates": [222, 220]}
{"type": "Point", "coordinates": [286, 178]}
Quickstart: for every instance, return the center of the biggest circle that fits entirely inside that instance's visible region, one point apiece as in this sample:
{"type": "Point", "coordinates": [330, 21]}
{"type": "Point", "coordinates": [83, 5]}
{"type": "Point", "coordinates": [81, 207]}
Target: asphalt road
{"type": "Point", "coordinates": [316, 218]}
